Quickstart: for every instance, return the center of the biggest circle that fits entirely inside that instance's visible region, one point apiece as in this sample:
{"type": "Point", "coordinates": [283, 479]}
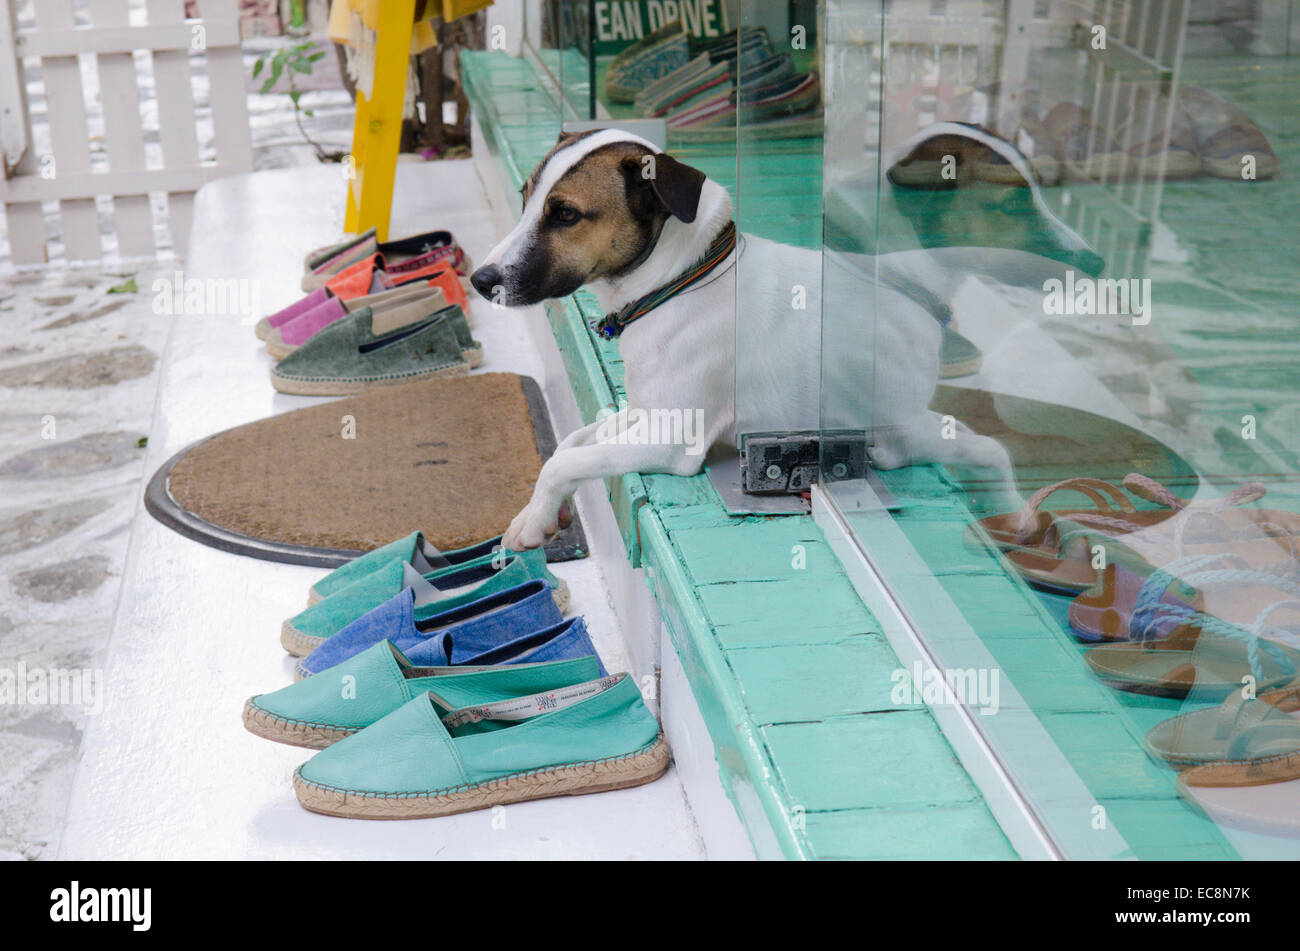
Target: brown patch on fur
{"type": "Point", "coordinates": [619, 219]}
{"type": "Point", "coordinates": [600, 219]}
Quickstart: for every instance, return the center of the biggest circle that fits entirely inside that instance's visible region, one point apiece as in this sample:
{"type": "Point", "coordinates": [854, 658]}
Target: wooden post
{"type": "Point", "coordinates": [377, 132]}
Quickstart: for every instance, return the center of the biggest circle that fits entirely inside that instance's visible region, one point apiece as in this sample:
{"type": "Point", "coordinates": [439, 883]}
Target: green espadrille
{"type": "Point", "coordinates": [359, 352]}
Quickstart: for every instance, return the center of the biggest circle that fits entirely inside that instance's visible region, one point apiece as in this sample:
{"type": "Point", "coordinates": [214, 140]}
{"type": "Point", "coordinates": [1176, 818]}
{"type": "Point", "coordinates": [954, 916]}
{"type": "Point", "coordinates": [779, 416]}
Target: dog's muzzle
{"type": "Point", "coordinates": [486, 279]}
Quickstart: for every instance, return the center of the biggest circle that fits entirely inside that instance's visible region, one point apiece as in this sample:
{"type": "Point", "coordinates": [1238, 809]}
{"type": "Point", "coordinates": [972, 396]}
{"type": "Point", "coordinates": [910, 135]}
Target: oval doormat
{"type": "Point", "coordinates": [456, 459]}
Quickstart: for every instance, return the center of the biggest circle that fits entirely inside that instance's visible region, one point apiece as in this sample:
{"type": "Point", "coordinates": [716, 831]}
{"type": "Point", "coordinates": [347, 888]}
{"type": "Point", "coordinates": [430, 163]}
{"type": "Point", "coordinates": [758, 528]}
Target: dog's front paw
{"type": "Point", "coordinates": [531, 528]}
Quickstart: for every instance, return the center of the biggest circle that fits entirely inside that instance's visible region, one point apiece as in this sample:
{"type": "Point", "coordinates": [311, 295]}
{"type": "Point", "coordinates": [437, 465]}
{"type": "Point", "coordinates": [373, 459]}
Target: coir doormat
{"type": "Point", "coordinates": [456, 459]}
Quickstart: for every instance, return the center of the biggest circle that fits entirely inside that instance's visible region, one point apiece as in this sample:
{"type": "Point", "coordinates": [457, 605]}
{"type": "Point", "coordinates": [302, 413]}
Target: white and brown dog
{"type": "Point", "coordinates": [607, 211]}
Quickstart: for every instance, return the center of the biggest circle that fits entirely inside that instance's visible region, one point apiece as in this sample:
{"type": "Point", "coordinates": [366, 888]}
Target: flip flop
{"type": "Point", "coordinates": [1237, 732]}
{"type": "Point", "coordinates": [1204, 653]}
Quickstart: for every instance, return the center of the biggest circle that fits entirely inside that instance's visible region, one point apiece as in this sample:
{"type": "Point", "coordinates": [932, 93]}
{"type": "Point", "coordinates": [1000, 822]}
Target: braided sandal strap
{"type": "Point", "coordinates": [1144, 487]}
{"type": "Point", "coordinates": [1094, 489]}
{"type": "Point", "coordinates": [1158, 583]}
{"type": "Point", "coordinates": [1285, 576]}
{"type": "Point", "coordinates": [1253, 638]}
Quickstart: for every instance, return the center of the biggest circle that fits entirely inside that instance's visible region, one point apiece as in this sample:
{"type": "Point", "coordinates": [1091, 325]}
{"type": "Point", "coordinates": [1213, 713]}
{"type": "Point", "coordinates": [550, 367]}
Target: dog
{"type": "Point", "coordinates": [606, 210]}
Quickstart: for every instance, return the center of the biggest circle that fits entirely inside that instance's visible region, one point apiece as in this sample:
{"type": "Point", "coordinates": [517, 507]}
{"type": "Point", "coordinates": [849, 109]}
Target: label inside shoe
{"type": "Point", "coordinates": [523, 708]}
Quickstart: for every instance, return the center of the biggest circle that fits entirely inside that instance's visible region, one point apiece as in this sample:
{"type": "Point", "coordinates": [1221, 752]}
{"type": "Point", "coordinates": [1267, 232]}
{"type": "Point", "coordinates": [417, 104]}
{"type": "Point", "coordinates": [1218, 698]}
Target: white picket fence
{"type": "Point", "coordinates": [926, 49]}
{"type": "Point", "coordinates": [65, 41]}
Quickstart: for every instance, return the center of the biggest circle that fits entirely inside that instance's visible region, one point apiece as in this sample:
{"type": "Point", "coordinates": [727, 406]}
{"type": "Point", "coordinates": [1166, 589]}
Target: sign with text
{"type": "Point", "coordinates": [619, 23]}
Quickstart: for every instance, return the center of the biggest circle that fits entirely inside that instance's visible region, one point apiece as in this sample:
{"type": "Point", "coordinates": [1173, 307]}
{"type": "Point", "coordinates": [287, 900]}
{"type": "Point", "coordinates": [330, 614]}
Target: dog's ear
{"type": "Point", "coordinates": [667, 184]}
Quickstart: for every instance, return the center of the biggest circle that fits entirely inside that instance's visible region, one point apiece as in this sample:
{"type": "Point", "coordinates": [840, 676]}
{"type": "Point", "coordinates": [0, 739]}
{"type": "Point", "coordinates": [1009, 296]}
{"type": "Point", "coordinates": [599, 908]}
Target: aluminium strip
{"type": "Point", "coordinates": [1006, 798]}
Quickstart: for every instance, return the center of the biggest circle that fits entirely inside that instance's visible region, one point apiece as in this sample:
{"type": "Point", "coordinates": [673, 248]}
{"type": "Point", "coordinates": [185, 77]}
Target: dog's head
{"type": "Point", "coordinates": [593, 209]}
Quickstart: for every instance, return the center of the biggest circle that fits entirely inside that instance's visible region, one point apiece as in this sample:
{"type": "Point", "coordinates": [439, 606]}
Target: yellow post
{"type": "Point", "coordinates": [377, 132]}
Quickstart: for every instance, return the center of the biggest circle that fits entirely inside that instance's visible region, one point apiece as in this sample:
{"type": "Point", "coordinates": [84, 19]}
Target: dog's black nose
{"type": "Point", "coordinates": [485, 279]}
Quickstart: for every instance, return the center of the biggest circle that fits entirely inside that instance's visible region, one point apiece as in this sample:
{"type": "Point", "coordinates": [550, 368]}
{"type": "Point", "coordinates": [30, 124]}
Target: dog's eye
{"type": "Point", "coordinates": [565, 214]}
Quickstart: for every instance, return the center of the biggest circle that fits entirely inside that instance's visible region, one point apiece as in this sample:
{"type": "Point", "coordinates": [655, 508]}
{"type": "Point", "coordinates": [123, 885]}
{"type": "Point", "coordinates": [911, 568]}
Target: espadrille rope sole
{"type": "Point", "coordinates": [279, 351]}
{"type": "Point", "coordinates": [560, 592]}
{"type": "Point", "coordinates": [315, 736]}
{"type": "Point", "coordinates": [575, 779]}
{"type": "Point", "coordinates": [327, 386]}
{"type": "Point", "coordinates": [300, 645]}
{"type": "Point", "coordinates": [297, 643]}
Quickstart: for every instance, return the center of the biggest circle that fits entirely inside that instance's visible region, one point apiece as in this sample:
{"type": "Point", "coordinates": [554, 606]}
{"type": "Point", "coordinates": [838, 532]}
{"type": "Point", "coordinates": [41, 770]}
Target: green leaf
{"type": "Point", "coordinates": [315, 57]}
{"type": "Point", "coordinates": [257, 67]}
{"type": "Point", "coordinates": [277, 70]}
{"type": "Point", "coordinates": [298, 66]}
{"type": "Point", "coordinates": [142, 442]}
{"type": "Point", "coordinates": [295, 95]}
{"type": "Point", "coordinates": [127, 287]}
{"type": "Point", "coordinates": [309, 114]}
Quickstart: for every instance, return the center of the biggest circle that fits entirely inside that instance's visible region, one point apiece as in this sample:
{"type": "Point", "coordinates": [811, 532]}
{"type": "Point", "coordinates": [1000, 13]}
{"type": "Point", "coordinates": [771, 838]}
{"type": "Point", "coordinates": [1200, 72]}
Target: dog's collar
{"type": "Point", "coordinates": [611, 325]}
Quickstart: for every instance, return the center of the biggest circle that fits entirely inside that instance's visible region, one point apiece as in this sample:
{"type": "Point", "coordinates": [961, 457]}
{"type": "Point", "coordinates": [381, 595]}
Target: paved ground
{"type": "Point", "coordinates": [78, 381]}
{"type": "Point", "coordinates": [78, 373]}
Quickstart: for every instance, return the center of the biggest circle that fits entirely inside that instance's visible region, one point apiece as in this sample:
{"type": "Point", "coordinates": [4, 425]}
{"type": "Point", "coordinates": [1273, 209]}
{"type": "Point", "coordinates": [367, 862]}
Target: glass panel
{"type": "Point", "coordinates": [778, 190]}
{"type": "Point", "coordinates": [605, 55]}
{"type": "Point", "coordinates": [1093, 279]}
{"type": "Point", "coordinates": [571, 61]}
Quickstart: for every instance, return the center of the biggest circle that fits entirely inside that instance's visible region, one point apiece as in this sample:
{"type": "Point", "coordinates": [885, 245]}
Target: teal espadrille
{"type": "Point", "coordinates": [347, 698]}
{"type": "Point", "coordinates": [414, 549]}
{"type": "Point", "coordinates": [435, 592]}
{"type": "Point", "coordinates": [438, 755]}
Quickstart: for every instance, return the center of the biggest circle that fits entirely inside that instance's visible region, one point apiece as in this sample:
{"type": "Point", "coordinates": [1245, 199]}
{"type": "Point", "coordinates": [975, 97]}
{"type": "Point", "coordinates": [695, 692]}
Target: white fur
{"type": "Point", "coordinates": [682, 355]}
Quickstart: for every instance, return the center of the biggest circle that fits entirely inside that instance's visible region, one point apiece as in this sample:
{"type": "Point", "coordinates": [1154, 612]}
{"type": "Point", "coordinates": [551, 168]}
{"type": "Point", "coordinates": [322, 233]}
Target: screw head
{"type": "Point", "coordinates": [839, 470]}
{"type": "Point", "coordinates": [773, 471]}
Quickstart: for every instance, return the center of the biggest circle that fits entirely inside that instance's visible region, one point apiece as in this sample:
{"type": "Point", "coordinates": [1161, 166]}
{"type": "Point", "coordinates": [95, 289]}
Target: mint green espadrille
{"type": "Point", "coordinates": [438, 755]}
{"type": "Point", "coordinates": [414, 549]}
{"type": "Point", "coordinates": [350, 696]}
{"type": "Point", "coordinates": [434, 592]}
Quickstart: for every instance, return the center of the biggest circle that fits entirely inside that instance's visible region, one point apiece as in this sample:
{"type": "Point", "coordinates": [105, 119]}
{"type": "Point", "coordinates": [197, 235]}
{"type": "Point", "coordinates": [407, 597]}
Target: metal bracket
{"type": "Point", "coordinates": [791, 463]}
